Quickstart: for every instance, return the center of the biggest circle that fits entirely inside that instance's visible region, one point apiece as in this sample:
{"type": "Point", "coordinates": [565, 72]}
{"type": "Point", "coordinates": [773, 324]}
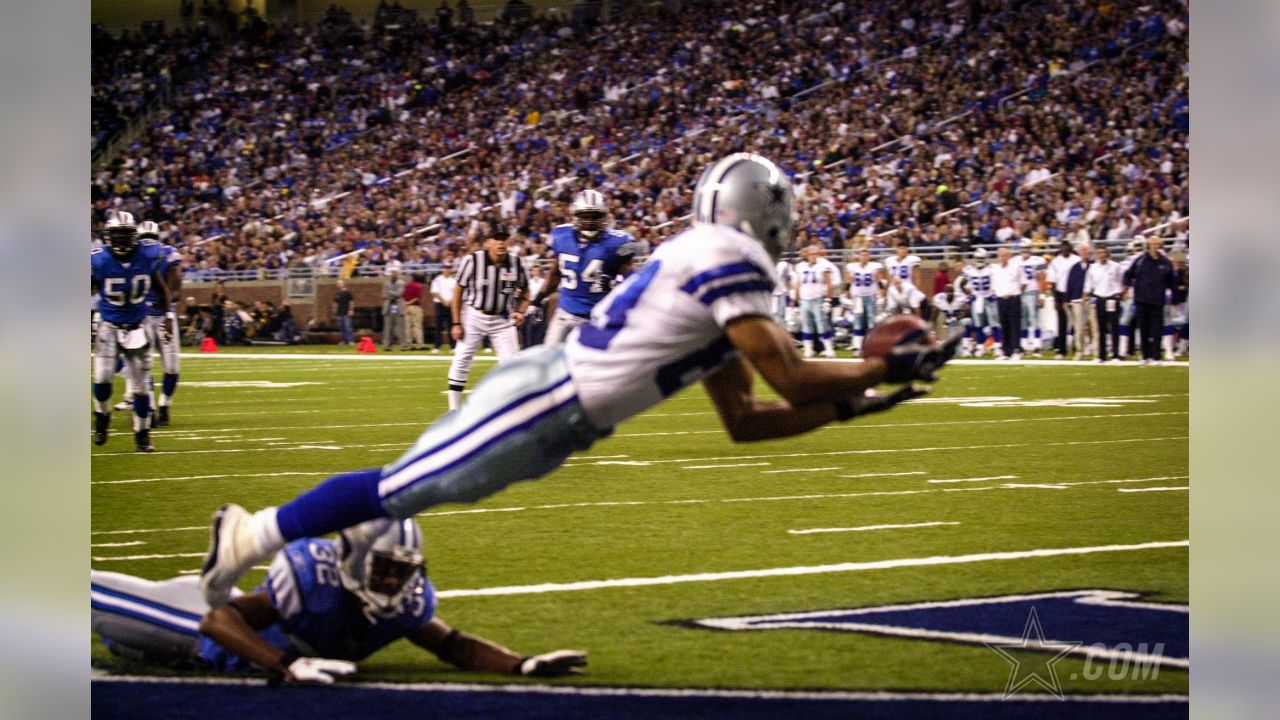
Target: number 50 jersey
{"type": "Point", "coordinates": [124, 286]}
{"type": "Point", "coordinates": [662, 329]}
{"type": "Point", "coordinates": [587, 269]}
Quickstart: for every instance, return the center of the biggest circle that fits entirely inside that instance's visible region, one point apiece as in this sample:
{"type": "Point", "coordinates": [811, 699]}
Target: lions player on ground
{"type": "Point", "coordinates": [588, 257]}
{"type": "Point", "coordinates": [1033, 267]}
{"type": "Point", "coordinates": [698, 310]}
{"type": "Point", "coordinates": [816, 279]}
{"type": "Point", "coordinates": [323, 606]}
{"type": "Point", "coordinates": [124, 273]}
{"type": "Point", "coordinates": [864, 290]}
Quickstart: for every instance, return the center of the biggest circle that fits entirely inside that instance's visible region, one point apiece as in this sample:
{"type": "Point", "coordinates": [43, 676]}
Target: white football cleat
{"type": "Point", "coordinates": [125, 404]}
{"type": "Point", "coordinates": [231, 554]}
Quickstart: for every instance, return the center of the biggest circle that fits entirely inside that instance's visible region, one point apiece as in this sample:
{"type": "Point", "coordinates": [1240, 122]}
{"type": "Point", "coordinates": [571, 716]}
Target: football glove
{"type": "Point", "coordinates": [318, 671]}
{"type": "Point", "coordinates": [872, 402]}
{"type": "Point", "coordinates": [559, 662]}
{"type": "Point", "coordinates": [920, 360]}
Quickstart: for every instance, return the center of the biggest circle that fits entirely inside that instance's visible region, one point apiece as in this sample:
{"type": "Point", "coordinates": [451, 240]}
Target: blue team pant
{"type": "Point", "coordinates": [863, 313]}
{"type": "Point", "coordinates": [813, 321]}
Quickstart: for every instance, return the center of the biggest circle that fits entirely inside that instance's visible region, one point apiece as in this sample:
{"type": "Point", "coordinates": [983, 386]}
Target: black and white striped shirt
{"type": "Point", "coordinates": [489, 287]}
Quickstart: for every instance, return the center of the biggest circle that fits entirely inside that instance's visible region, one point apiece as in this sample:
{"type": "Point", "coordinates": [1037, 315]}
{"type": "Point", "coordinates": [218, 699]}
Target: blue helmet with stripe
{"type": "Point", "coordinates": [381, 563]}
{"type": "Point", "coordinates": [750, 194]}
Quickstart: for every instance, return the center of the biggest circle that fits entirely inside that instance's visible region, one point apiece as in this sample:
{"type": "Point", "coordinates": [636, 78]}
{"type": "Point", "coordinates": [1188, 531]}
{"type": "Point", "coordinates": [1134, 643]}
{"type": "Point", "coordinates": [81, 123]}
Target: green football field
{"type": "Point", "coordinates": [1009, 479]}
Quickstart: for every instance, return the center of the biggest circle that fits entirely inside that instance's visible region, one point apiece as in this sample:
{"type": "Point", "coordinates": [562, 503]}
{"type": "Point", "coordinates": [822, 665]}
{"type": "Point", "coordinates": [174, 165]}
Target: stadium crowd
{"type": "Point", "coordinates": [307, 142]}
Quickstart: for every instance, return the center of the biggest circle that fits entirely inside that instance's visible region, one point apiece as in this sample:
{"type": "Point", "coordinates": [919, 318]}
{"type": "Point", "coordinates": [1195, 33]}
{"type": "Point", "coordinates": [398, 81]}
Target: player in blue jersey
{"type": "Point", "coordinates": [123, 273]}
{"type": "Point", "coordinates": [324, 606]}
{"type": "Point", "coordinates": [588, 257]}
{"type": "Point", "coordinates": [161, 325]}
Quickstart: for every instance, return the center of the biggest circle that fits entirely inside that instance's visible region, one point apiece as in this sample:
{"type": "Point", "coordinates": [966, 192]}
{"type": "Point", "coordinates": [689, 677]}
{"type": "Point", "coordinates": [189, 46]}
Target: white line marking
{"type": "Point", "coordinates": [196, 571]}
{"type": "Point", "coordinates": [204, 477]}
{"type": "Point", "coordinates": [976, 479]}
{"type": "Point", "coordinates": [322, 356]}
{"type": "Point", "coordinates": [147, 557]}
{"type": "Point", "coordinates": [867, 426]}
{"type": "Point", "coordinates": [796, 470]}
{"type": "Point", "coordinates": [695, 501]}
{"type": "Point", "coordinates": [131, 543]}
{"type": "Point", "coordinates": [1040, 486]}
{"type": "Point", "coordinates": [1154, 489]}
{"type": "Point", "coordinates": [730, 465]}
{"type": "Point", "coordinates": [894, 474]}
{"type": "Point", "coordinates": [865, 528]}
{"type": "Point", "coordinates": [807, 569]}
{"type": "Point", "coordinates": [97, 675]}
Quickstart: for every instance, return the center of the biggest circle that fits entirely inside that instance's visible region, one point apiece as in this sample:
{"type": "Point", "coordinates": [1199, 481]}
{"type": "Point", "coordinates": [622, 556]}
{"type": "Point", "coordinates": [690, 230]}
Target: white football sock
{"type": "Point", "coordinates": [267, 538]}
{"type": "Point", "coordinates": [455, 399]}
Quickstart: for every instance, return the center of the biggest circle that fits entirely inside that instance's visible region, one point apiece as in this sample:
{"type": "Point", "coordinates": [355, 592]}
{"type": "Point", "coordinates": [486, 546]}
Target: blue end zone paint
{"type": "Point", "coordinates": [194, 701]}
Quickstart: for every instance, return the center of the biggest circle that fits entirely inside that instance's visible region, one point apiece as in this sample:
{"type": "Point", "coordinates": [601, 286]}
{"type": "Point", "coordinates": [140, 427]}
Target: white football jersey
{"type": "Point", "coordinates": [949, 307]}
{"type": "Point", "coordinates": [862, 278]}
{"type": "Point", "coordinates": [1032, 267]}
{"type": "Point", "coordinates": [979, 280]}
{"type": "Point", "coordinates": [812, 278]}
{"type": "Point", "coordinates": [901, 268]}
{"type": "Point", "coordinates": [784, 277]}
{"type": "Point", "coordinates": [662, 329]}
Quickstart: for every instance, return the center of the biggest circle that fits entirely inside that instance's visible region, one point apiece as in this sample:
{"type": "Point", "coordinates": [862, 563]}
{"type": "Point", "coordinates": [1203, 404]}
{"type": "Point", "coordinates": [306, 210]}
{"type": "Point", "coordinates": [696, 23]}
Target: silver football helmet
{"type": "Point", "coordinates": [980, 257]}
{"type": "Point", "coordinates": [380, 562]}
{"type": "Point", "coordinates": [589, 212]}
{"type": "Point", "coordinates": [148, 229]}
{"type": "Point", "coordinates": [122, 234]}
{"type": "Point", "coordinates": [750, 194]}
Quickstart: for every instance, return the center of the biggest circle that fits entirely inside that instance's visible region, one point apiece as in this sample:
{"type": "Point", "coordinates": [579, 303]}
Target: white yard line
{"type": "Point", "coordinates": [702, 501]}
{"type": "Point", "coordinates": [541, 588]}
{"type": "Point", "coordinates": [207, 477]}
{"type": "Point", "coordinates": [1154, 489]}
{"type": "Point", "coordinates": [818, 695]}
{"type": "Point", "coordinates": [976, 479]}
{"type": "Point", "coordinates": [730, 465]}
{"type": "Point", "coordinates": [147, 557]}
{"type": "Point", "coordinates": [865, 528]}
{"type": "Point", "coordinates": [868, 426]}
{"type": "Point", "coordinates": [892, 474]}
{"type": "Point", "coordinates": [131, 543]}
{"type": "Point", "coordinates": [797, 470]}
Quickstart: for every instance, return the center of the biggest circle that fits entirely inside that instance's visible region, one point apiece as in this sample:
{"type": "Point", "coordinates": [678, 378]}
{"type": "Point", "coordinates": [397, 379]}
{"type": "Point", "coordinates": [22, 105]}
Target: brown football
{"type": "Point", "coordinates": [883, 337]}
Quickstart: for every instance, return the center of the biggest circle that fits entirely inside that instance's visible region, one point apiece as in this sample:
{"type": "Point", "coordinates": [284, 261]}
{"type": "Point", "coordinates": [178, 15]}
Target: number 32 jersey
{"type": "Point", "coordinates": [123, 286]}
{"type": "Point", "coordinates": [662, 329]}
{"type": "Point", "coordinates": [317, 616]}
{"type": "Point", "coordinates": [587, 269]}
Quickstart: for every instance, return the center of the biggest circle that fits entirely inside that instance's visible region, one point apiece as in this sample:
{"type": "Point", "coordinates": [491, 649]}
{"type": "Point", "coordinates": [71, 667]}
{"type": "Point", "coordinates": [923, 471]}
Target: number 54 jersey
{"type": "Point", "coordinates": [587, 269]}
{"type": "Point", "coordinates": [662, 329]}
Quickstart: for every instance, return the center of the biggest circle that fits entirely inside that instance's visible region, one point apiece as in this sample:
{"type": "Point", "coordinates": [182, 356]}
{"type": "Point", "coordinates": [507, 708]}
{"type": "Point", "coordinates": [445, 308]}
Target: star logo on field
{"type": "Point", "coordinates": [1041, 669]}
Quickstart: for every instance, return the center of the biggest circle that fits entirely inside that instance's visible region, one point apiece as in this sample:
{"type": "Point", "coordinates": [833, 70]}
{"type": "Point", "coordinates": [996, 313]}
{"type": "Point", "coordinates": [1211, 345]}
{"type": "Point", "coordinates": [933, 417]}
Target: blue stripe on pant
{"type": "Point", "coordinates": [521, 422]}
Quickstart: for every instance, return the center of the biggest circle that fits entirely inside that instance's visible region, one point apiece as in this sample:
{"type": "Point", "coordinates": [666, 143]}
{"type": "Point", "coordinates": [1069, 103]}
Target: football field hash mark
{"type": "Point", "coordinates": [976, 479]}
{"type": "Point", "coordinates": [1154, 489]}
{"type": "Point", "coordinates": [866, 528]}
{"type": "Point", "coordinates": [730, 465]}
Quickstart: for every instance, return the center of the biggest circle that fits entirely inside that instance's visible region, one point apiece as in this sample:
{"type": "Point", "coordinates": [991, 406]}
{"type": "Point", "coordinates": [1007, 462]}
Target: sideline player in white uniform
{"type": "Point", "coordinates": [698, 310]}
{"type": "Point", "coordinates": [815, 286]}
{"type": "Point", "coordinates": [865, 288]}
{"type": "Point", "coordinates": [982, 305]}
{"type": "Point", "coordinates": [903, 264]}
{"type": "Point", "coordinates": [903, 298]}
{"type": "Point", "coordinates": [785, 276]}
{"type": "Point", "coordinates": [1033, 267]}
{"type": "Point", "coordinates": [489, 301]}
{"type": "Point", "coordinates": [951, 307]}
{"type": "Point", "coordinates": [588, 257]}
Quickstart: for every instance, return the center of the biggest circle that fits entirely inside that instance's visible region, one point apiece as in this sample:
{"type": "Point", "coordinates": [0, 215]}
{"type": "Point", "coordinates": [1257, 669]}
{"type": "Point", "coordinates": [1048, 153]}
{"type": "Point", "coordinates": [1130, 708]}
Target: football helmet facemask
{"type": "Point", "coordinates": [589, 212]}
{"type": "Point", "coordinates": [381, 563]}
{"type": "Point", "coordinates": [752, 195]}
{"type": "Point", "coordinates": [122, 234]}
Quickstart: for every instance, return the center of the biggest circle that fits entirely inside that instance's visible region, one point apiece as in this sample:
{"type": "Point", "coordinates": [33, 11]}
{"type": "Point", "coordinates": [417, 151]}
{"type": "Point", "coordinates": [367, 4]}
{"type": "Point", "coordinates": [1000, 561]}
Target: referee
{"type": "Point", "coordinates": [489, 301]}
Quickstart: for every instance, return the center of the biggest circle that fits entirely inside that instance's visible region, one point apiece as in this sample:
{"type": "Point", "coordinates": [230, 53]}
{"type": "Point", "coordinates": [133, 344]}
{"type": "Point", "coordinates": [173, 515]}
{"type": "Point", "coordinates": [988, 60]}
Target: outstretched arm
{"type": "Point", "coordinates": [470, 652]}
{"type": "Point", "coordinates": [767, 346]}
